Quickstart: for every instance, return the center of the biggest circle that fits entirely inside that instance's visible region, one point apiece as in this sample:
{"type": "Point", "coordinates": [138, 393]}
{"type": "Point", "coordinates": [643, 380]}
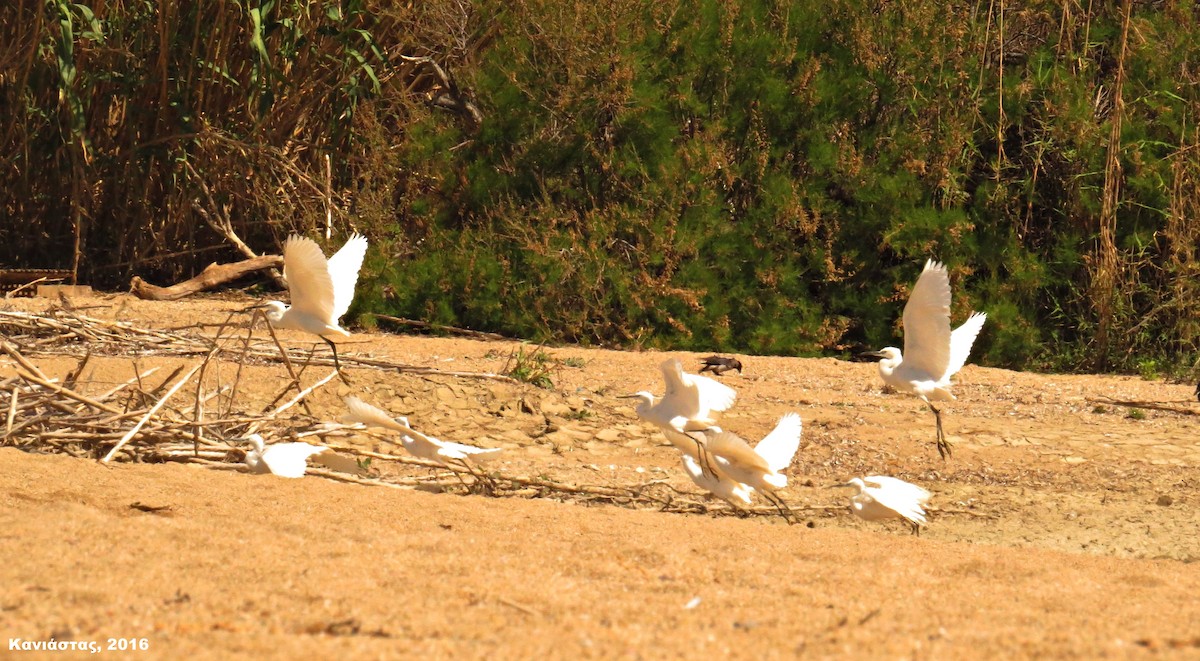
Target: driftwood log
{"type": "Point", "coordinates": [214, 274]}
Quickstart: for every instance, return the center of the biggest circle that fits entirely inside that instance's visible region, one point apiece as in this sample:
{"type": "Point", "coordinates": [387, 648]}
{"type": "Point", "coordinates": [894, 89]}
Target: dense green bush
{"type": "Point", "coordinates": [715, 175]}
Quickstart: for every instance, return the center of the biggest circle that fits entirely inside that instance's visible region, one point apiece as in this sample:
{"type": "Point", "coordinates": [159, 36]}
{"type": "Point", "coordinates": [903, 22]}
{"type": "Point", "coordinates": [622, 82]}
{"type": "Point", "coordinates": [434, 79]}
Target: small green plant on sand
{"type": "Point", "coordinates": [530, 367]}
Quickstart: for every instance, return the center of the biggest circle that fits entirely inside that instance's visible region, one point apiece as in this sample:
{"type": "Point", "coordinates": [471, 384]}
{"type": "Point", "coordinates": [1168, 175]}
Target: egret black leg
{"type": "Point", "coordinates": [336, 364]}
{"type": "Point", "coordinates": [483, 484]}
{"type": "Point", "coordinates": [704, 459]}
{"type": "Point", "coordinates": [943, 446]}
{"type": "Point", "coordinates": [784, 510]}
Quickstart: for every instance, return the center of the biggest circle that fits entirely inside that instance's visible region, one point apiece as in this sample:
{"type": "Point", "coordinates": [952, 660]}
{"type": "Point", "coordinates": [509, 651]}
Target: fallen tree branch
{"type": "Point", "coordinates": [1135, 404]}
{"type": "Point", "coordinates": [214, 274]}
{"type": "Point", "coordinates": [483, 335]}
{"type": "Point", "coordinates": [223, 226]}
{"type": "Point", "coordinates": [447, 94]}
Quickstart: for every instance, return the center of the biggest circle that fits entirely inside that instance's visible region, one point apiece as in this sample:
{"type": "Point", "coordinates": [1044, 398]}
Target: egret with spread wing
{"type": "Point", "coordinates": [321, 290]}
{"type": "Point", "coordinates": [760, 467]}
{"type": "Point", "coordinates": [879, 497]}
{"type": "Point", "coordinates": [932, 352]}
{"type": "Point", "coordinates": [691, 403]}
{"type": "Point", "coordinates": [708, 478]}
{"type": "Point", "coordinates": [282, 459]}
{"type": "Point", "coordinates": [418, 444]}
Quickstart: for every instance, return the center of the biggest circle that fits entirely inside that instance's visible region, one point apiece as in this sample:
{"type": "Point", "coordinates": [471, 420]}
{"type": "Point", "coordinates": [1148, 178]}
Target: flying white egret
{"type": "Point", "coordinates": [690, 403]}
{"type": "Point", "coordinates": [418, 444]}
{"type": "Point", "coordinates": [708, 478]}
{"type": "Point", "coordinates": [321, 290]}
{"type": "Point", "coordinates": [282, 459]}
{"type": "Point", "coordinates": [759, 467]}
{"type": "Point", "coordinates": [881, 497]}
{"type": "Point", "coordinates": [932, 353]}
{"type": "Point", "coordinates": [717, 483]}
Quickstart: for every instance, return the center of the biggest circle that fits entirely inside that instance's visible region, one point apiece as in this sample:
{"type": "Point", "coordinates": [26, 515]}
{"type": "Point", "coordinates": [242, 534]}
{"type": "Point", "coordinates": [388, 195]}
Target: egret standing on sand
{"type": "Point", "coordinates": [880, 497]}
{"type": "Point", "coordinates": [321, 290]}
{"type": "Point", "coordinates": [690, 403]}
{"type": "Point", "coordinates": [759, 467]}
{"type": "Point", "coordinates": [932, 353]}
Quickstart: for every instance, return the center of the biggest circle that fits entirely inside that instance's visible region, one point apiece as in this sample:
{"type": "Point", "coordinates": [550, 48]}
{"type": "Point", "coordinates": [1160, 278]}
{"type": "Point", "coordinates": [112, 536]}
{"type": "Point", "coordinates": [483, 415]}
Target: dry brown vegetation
{"type": "Point", "coordinates": [1064, 525]}
{"type": "Point", "coordinates": [693, 174]}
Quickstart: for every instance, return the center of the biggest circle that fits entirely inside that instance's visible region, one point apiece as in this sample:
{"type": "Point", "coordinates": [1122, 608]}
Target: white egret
{"type": "Point", "coordinates": [932, 352]}
{"type": "Point", "coordinates": [881, 497]}
{"type": "Point", "coordinates": [759, 467]}
{"type": "Point", "coordinates": [708, 478]}
{"type": "Point", "coordinates": [321, 290]}
{"type": "Point", "coordinates": [717, 483]}
{"type": "Point", "coordinates": [690, 403]}
{"type": "Point", "coordinates": [282, 459]}
{"type": "Point", "coordinates": [418, 444]}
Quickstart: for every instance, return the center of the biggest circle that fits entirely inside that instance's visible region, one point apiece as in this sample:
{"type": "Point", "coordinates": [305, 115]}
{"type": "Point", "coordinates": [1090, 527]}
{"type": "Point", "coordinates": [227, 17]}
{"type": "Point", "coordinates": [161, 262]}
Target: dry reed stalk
{"type": "Point", "coordinates": [49, 416]}
{"type": "Point", "coordinates": [67, 330]}
{"type": "Point", "coordinates": [12, 412]}
{"type": "Point", "coordinates": [174, 389]}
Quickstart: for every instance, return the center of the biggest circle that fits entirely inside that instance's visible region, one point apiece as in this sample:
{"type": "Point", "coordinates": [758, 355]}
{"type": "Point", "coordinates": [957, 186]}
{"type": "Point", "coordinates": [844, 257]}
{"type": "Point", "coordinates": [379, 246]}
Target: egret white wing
{"type": "Point", "coordinates": [289, 459]}
{"type": "Point", "coordinates": [903, 501]}
{"type": "Point", "coordinates": [927, 323]}
{"type": "Point", "coordinates": [714, 395]}
{"type": "Point", "coordinates": [463, 451]}
{"type": "Point", "coordinates": [344, 266]}
{"type": "Point", "coordinates": [686, 442]}
{"type": "Point", "coordinates": [898, 486]}
{"type": "Point", "coordinates": [961, 341]}
{"type": "Point", "coordinates": [362, 412]}
{"type": "Point", "coordinates": [779, 446]}
{"type": "Point", "coordinates": [693, 397]}
{"type": "Point", "coordinates": [681, 406]}
{"type": "Point", "coordinates": [307, 275]}
{"type": "Point", "coordinates": [718, 484]}
{"type": "Point", "coordinates": [420, 445]}
{"type": "Point", "coordinates": [681, 395]}
{"type": "Point", "coordinates": [733, 448]}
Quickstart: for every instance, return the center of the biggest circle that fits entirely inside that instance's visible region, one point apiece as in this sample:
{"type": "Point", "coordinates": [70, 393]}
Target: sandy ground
{"type": "Point", "coordinates": [1064, 526]}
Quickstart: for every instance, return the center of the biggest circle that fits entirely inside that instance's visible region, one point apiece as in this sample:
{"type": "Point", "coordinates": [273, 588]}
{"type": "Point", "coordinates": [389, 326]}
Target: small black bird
{"type": "Point", "coordinates": [719, 365]}
{"type": "Point", "coordinates": [1197, 390]}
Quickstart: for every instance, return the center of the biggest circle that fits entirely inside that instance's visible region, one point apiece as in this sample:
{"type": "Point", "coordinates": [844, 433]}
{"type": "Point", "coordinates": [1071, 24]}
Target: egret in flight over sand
{"type": "Point", "coordinates": [690, 403]}
{"type": "Point", "coordinates": [282, 459]}
{"type": "Point", "coordinates": [759, 467]}
{"type": "Point", "coordinates": [418, 444]}
{"type": "Point", "coordinates": [932, 353]}
{"type": "Point", "coordinates": [708, 478]}
{"type": "Point", "coordinates": [321, 290]}
{"type": "Point", "coordinates": [717, 483]}
{"type": "Point", "coordinates": [880, 497]}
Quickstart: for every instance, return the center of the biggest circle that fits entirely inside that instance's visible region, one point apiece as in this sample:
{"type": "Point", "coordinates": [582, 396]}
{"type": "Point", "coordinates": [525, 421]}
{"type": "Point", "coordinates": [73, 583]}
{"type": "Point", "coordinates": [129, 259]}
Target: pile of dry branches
{"type": "Point", "coordinates": [191, 415]}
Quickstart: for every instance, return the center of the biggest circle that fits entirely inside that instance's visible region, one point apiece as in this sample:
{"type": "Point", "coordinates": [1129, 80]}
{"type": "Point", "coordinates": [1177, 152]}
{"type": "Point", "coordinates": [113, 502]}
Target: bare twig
{"type": "Point", "coordinates": [447, 329]}
{"type": "Point", "coordinates": [12, 412]}
{"type": "Point", "coordinates": [125, 439]}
